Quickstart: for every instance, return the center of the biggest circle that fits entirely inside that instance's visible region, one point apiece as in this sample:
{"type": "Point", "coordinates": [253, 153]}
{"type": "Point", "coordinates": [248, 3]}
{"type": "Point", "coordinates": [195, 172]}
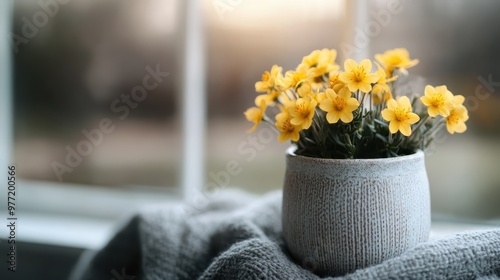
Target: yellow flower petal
{"type": "Point", "coordinates": [461, 127]}
{"type": "Point", "coordinates": [388, 114]}
{"type": "Point", "coordinates": [350, 65]}
{"type": "Point", "coordinates": [352, 104]}
{"type": "Point", "coordinates": [365, 87]}
{"type": "Point", "coordinates": [254, 115]}
{"type": "Point", "coordinates": [413, 118]}
{"type": "Point", "coordinates": [352, 87]}
{"type": "Point", "coordinates": [393, 126]}
{"type": "Point", "coordinates": [425, 100]}
{"type": "Point", "coordinates": [366, 64]}
{"type": "Point", "coordinates": [404, 101]}
{"type": "Point", "coordinates": [295, 136]}
{"type": "Point", "coordinates": [326, 105]}
{"type": "Point", "coordinates": [372, 78]}
{"type": "Point", "coordinates": [333, 117]}
{"type": "Point", "coordinates": [391, 104]}
{"type": "Point", "coordinates": [330, 93]}
{"type": "Point", "coordinates": [405, 128]}
{"type": "Point", "coordinates": [346, 116]}
{"type": "Point", "coordinates": [304, 89]}
{"type": "Point", "coordinates": [345, 93]}
{"type": "Point", "coordinates": [458, 100]}
{"type": "Point", "coordinates": [283, 137]}
{"type": "Point", "coordinates": [442, 89]}
{"type": "Point", "coordinates": [432, 111]}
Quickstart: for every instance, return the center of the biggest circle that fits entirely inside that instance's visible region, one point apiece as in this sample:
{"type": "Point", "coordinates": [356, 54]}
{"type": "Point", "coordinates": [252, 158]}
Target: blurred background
{"type": "Point", "coordinates": [70, 69]}
{"type": "Point", "coordinates": [76, 63]}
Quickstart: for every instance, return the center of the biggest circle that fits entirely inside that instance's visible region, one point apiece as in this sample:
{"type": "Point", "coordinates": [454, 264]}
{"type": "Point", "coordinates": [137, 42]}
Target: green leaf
{"type": "Point", "coordinates": [382, 138]}
{"type": "Point", "coordinates": [384, 124]}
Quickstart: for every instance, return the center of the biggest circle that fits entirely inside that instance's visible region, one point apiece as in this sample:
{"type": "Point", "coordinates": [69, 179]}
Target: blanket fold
{"type": "Point", "coordinates": [238, 236]}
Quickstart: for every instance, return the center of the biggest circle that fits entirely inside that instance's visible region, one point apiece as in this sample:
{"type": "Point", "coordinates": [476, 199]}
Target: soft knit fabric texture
{"type": "Point", "coordinates": [238, 236]}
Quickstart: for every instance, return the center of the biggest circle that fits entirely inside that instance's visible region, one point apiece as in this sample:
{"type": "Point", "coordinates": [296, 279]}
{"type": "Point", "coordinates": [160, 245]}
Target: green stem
{"type": "Point", "coordinates": [349, 143]}
{"type": "Point", "coordinates": [416, 130]}
{"type": "Point", "coordinates": [271, 123]}
{"type": "Point", "coordinates": [362, 100]}
{"type": "Point", "coordinates": [432, 132]}
{"type": "Point", "coordinates": [371, 101]}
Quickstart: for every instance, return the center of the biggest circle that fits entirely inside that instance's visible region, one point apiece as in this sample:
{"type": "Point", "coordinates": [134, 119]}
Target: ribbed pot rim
{"type": "Point", "coordinates": [290, 153]}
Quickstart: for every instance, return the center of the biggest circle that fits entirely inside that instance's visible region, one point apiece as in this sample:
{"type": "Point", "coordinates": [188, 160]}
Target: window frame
{"type": "Point", "coordinates": [99, 207]}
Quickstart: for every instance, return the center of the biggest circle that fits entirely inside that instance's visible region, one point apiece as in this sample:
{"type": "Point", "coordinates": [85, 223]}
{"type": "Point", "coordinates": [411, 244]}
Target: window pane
{"type": "Point", "coordinates": [245, 39]}
{"type": "Point", "coordinates": [457, 45]}
{"type": "Point", "coordinates": [455, 41]}
{"type": "Point", "coordinates": [93, 101]}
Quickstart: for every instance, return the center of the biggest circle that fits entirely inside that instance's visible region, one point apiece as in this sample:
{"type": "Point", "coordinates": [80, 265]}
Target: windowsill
{"type": "Point", "coordinates": [88, 201]}
{"type": "Point", "coordinates": [442, 228]}
{"type": "Point", "coordinates": [65, 231]}
{"type": "Point", "coordinates": [78, 216]}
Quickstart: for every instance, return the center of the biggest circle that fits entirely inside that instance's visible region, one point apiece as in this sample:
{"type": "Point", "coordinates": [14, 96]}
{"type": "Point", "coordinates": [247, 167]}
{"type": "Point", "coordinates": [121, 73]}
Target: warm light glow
{"type": "Point", "coordinates": [257, 14]}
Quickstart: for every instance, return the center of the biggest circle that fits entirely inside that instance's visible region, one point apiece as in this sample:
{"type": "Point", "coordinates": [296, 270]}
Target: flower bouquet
{"type": "Point", "coordinates": [356, 190]}
{"type": "Point", "coordinates": [354, 113]}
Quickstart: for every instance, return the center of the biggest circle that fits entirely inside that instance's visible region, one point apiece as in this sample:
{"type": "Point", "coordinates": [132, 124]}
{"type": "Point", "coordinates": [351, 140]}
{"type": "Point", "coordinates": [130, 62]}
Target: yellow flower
{"type": "Point", "coordinates": [286, 128]}
{"type": "Point", "coordinates": [304, 89]}
{"type": "Point", "coordinates": [438, 99]}
{"type": "Point", "coordinates": [269, 80]}
{"type": "Point", "coordinates": [316, 73]}
{"type": "Point", "coordinates": [457, 100]}
{"type": "Point", "coordinates": [339, 106]}
{"type": "Point", "coordinates": [399, 114]}
{"type": "Point", "coordinates": [319, 97]}
{"type": "Point", "coordinates": [293, 78]}
{"type": "Point", "coordinates": [267, 98]}
{"type": "Point", "coordinates": [311, 60]}
{"type": "Point", "coordinates": [303, 112]}
{"type": "Point", "coordinates": [396, 59]}
{"type": "Point", "coordinates": [255, 115]}
{"type": "Point", "coordinates": [381, 90]}
{"type": "Point", "coordinates": [382, 75]}
{"type": "Point", "coordinates": [319, 57]}
{"type": "Point", "coordinates": [358, 76]}
{"type": "Point", "coordinates": [381, 93]}
{"type": "Point", "coordinates": [455, 121]}
{"type": "Point", "coordinates": [319, 63]}
{"type": "Point", "coordinates": [336, 83]}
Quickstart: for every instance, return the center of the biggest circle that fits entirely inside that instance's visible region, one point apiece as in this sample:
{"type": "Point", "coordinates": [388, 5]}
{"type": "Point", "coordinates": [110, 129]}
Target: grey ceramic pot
{"type": "Point", "coordinates": [340, 215]}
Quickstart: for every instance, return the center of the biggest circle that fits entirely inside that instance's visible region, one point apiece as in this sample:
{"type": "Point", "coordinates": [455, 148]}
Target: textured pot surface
{"type": "Point", "coordinates": [340, 215]}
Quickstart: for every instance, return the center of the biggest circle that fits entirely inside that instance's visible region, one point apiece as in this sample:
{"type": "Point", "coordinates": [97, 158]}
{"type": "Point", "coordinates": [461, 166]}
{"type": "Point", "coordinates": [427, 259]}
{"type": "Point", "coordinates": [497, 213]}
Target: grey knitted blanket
{"type": "Point", "coordinates": [238, 236]}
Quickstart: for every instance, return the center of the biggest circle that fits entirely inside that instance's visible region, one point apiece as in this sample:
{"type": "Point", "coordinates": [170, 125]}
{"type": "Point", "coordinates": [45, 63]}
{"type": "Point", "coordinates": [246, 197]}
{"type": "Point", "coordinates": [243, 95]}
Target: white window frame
{"type": "Point", "coordinates": [85, 218]}
{"type": "Point", "coordinates": [6, 11]}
